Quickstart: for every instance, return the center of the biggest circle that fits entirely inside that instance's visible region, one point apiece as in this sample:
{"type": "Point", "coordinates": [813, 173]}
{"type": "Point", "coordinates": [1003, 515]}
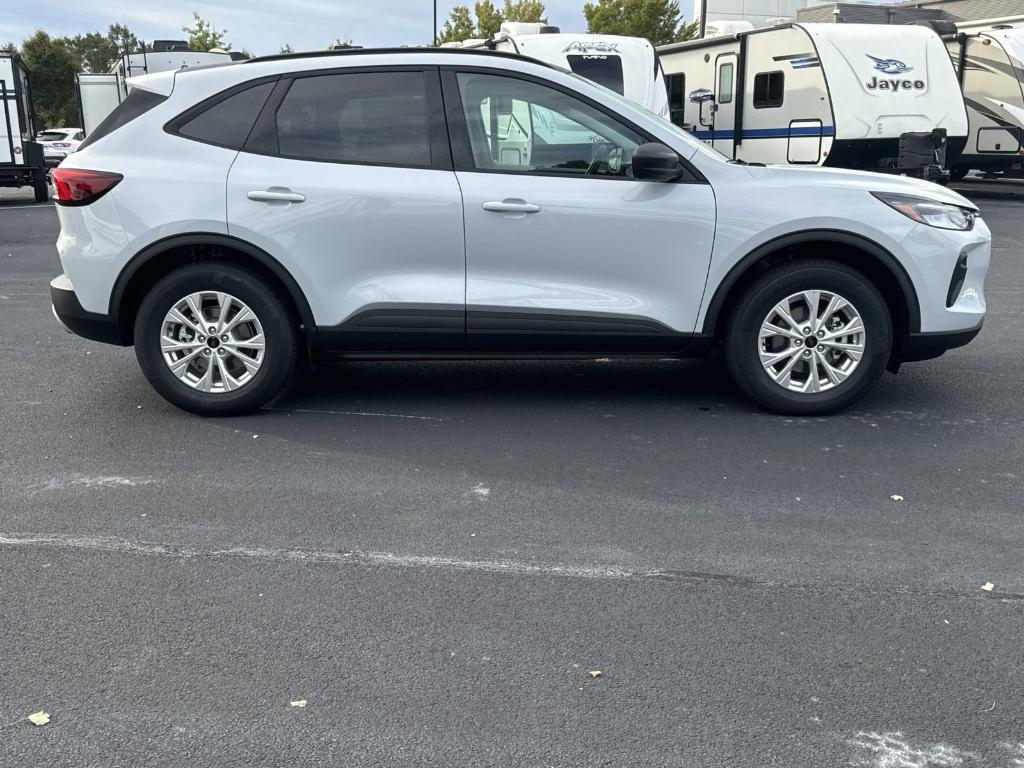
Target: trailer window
{"type": "Point", "coordinates": [768, 89]}
{"type": "Point", "coordinates": [725, 83]}
{"type": "Point", "coordinates": [227, 122]}
{"type": "Point", "coordinates": [676, 84]}
{"type": "Point", "coordinates": [376, 118]}
{"type": "Point", "coordinates": [138, 103]}
{"type": "Point", "coordinates": [602, 69]}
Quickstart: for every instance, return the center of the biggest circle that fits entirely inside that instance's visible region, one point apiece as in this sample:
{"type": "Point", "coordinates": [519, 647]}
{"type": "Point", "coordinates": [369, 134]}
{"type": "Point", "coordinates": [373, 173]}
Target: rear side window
{"type": "Point", "coordinates": [768, 89]}
{"type": "Point", "coordinates": [377, 118]}
{"type": "Point", "coordinates": [137, 104]}
{"type": "Point", "coordinates": [227, 122]}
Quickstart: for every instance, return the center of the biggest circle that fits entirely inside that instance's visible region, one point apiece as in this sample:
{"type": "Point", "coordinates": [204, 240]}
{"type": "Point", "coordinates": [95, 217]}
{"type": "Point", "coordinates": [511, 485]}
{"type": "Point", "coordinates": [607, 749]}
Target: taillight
{"type": "Point", "coordinates": [78, 187]}
{"type": "Point", "coordinates": [62, 144]}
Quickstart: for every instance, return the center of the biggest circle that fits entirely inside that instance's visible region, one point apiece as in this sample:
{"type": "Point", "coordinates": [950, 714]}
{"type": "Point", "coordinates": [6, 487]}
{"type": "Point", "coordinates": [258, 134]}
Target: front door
{"type": "Point", "coordinates": [725, 104]}
{"type": "Point", "coordinates": [565, 251]}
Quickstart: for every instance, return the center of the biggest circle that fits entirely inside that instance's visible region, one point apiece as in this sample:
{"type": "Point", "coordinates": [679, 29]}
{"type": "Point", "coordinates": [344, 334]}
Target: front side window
{"type": "Point", "coordinates": [519, 126]}
{"type": "Point", "coordinates": [725, 83]}
{"type": "Point", "coordinates": [768, 89]}
{"type": "Point", "coordinates": [376, 118]}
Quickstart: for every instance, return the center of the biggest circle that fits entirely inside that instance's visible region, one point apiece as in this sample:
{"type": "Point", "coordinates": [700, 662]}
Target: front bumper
{"type": "Point", "coordinates": [925, 346]}
{"type": "Point", "coordinates": [88, 325]}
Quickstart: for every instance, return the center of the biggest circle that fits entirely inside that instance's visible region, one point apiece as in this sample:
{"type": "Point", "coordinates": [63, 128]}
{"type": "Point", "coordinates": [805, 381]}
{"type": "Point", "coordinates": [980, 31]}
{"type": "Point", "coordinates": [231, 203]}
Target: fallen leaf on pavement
{"type": "Point", "coordinates": [39, 718]}
{"type": "Point", "coordinates": [299, 703]}
{"type": "Point", "coordinates": [896, 497]}
{"type": "Point", "coordinates": [595, 673]}
{"type": "Point", "coordinates": [988, 586]}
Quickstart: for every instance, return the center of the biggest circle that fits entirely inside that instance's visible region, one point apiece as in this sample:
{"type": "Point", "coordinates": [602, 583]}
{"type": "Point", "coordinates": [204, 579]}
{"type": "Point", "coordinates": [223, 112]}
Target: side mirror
{"type": "Point", "coordinates": [656, 162]}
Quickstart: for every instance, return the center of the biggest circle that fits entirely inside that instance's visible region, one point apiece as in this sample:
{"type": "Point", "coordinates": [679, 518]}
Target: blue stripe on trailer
{"type": "Point", "coordinates": [769, 133]}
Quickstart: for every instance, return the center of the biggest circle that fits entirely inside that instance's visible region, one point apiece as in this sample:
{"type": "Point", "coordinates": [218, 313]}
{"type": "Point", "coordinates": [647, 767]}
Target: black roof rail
{"type": "Point", "coordinates": [408, 49]}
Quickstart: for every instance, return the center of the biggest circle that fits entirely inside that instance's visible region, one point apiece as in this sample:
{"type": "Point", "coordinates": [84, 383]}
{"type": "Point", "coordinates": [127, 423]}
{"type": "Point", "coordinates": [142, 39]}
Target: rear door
{"type": "Point", "coordinates": [346, 180]}
{"type": "Point", "coordinates": [9, 133]}
{"type": "Point", "coordinates": [725, 104]}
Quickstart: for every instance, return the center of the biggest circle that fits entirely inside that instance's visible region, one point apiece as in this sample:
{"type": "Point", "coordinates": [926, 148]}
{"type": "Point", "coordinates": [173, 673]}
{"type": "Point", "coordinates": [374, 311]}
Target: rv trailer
{"type": "Point", "coordinates": [21, 159]}
{"type": "Point", "coordinates": [627, 65]}
{"type": "Point", "coordinates": [989, 60]}
{"type": "Point", "coordinates": [861, 96]}
{"type": "Point", "coordinates": [99, 93]}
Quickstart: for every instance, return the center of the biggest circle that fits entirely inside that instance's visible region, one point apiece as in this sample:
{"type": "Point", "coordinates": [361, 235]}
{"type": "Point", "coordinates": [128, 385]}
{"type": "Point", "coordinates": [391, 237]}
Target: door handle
{"type": "Point", "coordinates": [276, 195]}
{"type": "Point", "coordinates": [511, 206]}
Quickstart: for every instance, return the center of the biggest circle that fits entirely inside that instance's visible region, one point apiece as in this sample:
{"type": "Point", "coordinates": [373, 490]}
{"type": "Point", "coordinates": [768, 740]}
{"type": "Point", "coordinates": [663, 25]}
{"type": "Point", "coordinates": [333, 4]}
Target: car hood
{"type": "Point", "coordinates": [818, 176]}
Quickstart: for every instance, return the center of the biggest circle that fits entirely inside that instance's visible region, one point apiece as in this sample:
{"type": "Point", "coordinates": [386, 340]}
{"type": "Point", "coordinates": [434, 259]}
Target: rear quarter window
{"type": "Point", "coordinates": [228, 120]}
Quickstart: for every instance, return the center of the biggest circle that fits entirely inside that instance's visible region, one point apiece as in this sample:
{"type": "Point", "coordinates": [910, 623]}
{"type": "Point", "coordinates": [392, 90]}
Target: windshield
{"type": "Point", "coordinates": [688, 137]}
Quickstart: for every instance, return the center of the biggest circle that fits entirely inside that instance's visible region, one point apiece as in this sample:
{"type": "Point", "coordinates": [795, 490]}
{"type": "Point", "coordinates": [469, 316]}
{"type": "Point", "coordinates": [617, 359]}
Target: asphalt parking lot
{"type": "Point", "coordinates": [439, 557]}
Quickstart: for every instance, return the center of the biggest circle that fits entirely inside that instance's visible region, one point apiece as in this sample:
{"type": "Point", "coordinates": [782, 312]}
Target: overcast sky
{"type": "Point", "coordinates": [260, 26]}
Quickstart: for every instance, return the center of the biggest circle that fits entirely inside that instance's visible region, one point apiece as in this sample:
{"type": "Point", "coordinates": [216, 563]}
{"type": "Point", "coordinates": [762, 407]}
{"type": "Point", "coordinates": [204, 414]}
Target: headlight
{"type": "Point", "coordinates": [930, 212]}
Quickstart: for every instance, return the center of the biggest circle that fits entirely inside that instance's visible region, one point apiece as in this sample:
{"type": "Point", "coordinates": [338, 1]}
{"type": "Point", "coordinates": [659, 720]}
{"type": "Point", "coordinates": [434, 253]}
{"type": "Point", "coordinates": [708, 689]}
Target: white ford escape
{"type": "Point", "coordinates": [433, 203]}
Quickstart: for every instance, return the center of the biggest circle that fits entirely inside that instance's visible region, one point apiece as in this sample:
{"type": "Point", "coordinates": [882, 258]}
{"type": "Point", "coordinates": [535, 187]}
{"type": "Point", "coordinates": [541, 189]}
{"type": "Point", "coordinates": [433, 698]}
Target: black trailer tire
{"type": "Point", "coordinates": [784, 386]}
{"type": "Point", "coordinates": [40, 186]}
{"type": "Point", "coordinates": [958, 172]}
{"type": "Point", "coordinates": [265, 374]}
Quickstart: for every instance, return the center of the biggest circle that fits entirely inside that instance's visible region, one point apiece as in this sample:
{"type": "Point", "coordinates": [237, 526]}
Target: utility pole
{"type": "Point", "coordinates": [703, 16]}
{"type": "Point", "coordinates": [434, 42]}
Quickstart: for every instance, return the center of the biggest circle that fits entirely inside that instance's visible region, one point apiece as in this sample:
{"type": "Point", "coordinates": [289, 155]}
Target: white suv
{"type": "Point", "coordinates": [445, 203]}
{"type": "Point", "coordinates": [58, 143]}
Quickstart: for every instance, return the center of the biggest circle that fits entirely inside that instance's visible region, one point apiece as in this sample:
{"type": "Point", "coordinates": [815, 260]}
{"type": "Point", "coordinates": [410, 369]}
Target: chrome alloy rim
{"type": "Point", "coordinates": [212, 342]}
{"type": "Point", "coordinates": [811, 341]}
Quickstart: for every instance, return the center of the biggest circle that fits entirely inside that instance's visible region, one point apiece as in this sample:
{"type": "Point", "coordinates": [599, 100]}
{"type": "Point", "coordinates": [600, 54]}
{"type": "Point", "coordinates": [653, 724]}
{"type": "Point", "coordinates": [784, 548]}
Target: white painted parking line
{"type": "Point", "coordinates": [21, 207]}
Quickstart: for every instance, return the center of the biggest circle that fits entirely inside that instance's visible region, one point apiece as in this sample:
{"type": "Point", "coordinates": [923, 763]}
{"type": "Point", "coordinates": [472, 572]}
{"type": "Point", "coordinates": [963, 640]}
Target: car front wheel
{"type": "Point", "coordinates": [808, 338]}
{"type": "Point", "coordinates": [216, 339]}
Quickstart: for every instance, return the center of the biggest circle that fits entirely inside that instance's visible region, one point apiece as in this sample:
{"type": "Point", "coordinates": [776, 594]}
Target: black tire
{"type": "Point", "coordinates": [753, 307]}
{"type": "Point", "coordinates": [280, 330]}
{"type": "Point", "coordinates": [41, 187]}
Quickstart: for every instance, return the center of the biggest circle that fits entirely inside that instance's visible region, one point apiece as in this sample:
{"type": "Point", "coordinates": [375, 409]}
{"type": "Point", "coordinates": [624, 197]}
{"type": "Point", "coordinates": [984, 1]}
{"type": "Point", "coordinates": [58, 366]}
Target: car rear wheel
{"type": "Point", "coordinates": [808, 338]}
{"type": "Point", "coordinates": [216, 340]}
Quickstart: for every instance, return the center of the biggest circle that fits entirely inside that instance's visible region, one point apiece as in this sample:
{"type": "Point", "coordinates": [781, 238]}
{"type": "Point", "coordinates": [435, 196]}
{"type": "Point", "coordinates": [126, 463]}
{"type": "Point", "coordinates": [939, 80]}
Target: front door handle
{"type": "Point", "coordinates": [276, 195]}
{"type": "Point", "coordinates": [510, 205]}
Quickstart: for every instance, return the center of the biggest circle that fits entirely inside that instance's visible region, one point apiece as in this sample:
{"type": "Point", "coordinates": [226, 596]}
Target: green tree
{"type": "Point", "coordinates": [98, 52]}
{"type": "Point", "coordinates": [488, 19]}
{"type": "Point", "coordinates": [461, 24]}
{"type": "Point", "coordinates": [656, 20]}
{"type": "Point", "coordinates": [8, 47]}
{"type": "Point", "coordinates": [203, 36]}
{"type": "Point", "coordinates": [458, 26]}
{"type": "Point", "coordinates": [53, 78]}
{"type": "Point", "coordinates": [286, 49]}
{"type": "Point", "coordinates": [524, 10]}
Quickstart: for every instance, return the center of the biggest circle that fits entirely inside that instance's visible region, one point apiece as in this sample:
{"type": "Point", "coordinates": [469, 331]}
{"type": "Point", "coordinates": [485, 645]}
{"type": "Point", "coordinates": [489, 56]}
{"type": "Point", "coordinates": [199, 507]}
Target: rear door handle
{"type": "Point", "coordinates": [511, 206]}
{"type": "Point", "coordinates": [276, 195]}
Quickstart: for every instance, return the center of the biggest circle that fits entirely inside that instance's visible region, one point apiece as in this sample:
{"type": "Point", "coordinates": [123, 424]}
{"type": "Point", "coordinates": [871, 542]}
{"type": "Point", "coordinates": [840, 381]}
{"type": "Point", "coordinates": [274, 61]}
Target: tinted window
{"type": "Point", "coordinates": [229, 120]}
{"type": "Point", "coordinates": [768, 88]}
{"type": "Point", "coordinates": [725, 84]}
{"type": "Point", "coordinates": [602, 69]}
{"type": "Point", "coordinates": [517, 125]}
{"type": "Point", "coordinates": [375, 117]}
{"type": "Point", "coordinates": [676, 97]}
{"type": "Point", "coordinates": [51, 136]}
{"type": "Point", "coordinates": [138, 103]}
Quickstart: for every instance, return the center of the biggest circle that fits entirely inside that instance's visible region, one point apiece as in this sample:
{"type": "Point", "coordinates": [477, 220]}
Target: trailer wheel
{"type": "Point", "coordinates": [40, 186]}
{"type": "Point", "coordinates": [957, 172]}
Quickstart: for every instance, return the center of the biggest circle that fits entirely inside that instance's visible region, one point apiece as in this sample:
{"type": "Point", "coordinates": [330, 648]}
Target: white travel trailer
{"type": "Point", "coordinates": [989, 59]}
{"type": "Point", "coordinates": [627, 65]}
{"type": "Point", "coordinates": [21, 158]}
{"type": "Point", "coordinates": [100, 92]}
{"type": "Point", "coordinates": [859, 96]}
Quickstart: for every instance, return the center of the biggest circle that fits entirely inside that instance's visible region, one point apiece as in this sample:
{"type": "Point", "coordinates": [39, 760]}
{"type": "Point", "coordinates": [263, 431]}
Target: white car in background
{"type": "Point", "coordinates": [58, 143]}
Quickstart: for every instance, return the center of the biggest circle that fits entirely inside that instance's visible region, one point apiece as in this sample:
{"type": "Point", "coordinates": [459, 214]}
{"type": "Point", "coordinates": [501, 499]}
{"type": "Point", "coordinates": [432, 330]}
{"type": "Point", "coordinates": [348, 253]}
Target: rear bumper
{"type": "Point", "coordinates": [925, 346]}
{"type": "Point", "coordinates": [88, 325]}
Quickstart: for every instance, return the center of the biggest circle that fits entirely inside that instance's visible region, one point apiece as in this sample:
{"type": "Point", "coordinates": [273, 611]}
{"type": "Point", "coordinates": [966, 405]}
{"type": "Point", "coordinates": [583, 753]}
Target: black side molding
{"type": "Point", "coordinates": [925, 346]}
